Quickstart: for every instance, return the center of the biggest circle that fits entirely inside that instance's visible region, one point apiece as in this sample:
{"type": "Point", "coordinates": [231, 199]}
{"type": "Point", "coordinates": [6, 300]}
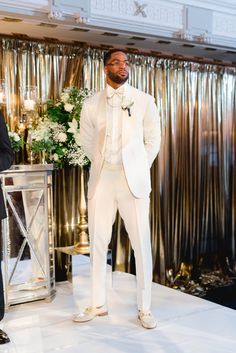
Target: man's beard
{"type": "Point", "coordinates": [117, 79]}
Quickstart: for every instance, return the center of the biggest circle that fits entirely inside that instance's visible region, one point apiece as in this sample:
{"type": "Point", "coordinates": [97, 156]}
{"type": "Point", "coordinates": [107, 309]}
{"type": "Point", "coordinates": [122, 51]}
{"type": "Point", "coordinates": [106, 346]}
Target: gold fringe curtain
{"type": "Point", "coordinates": [193, 198]}
{"type": "Point", "coordinates": [196, 164]}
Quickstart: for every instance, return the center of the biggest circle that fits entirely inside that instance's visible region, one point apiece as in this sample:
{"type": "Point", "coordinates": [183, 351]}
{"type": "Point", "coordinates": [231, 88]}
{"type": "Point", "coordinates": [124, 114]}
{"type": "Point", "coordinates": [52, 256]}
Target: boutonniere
{"type": "Point", "coordinates": [127, 104]}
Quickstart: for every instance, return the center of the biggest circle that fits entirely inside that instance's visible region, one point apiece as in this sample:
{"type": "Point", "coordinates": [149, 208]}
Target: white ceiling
{"type": "Point", "coordinates": [99, 37]}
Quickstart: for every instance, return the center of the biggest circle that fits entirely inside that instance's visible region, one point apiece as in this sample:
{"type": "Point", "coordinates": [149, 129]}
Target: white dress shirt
{"type": "Point", "coordinates": [114, 125]}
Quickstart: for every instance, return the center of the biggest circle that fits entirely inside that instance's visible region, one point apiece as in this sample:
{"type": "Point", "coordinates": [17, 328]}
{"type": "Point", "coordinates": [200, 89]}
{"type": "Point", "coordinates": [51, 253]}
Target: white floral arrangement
{"type": "Point", "coordinates": [57, 132]}
{"type": "Point", "coordinates": [16, 140]}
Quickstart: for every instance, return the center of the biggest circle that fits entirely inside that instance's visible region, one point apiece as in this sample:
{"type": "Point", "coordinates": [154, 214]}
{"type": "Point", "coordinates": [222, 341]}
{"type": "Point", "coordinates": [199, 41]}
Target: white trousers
{"type": "Point", "coordinates": [113, 194]}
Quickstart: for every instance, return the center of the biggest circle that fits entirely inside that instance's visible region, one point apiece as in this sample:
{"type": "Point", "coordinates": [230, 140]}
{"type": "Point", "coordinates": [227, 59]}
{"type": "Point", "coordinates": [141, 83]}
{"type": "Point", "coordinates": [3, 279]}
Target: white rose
{"type": "Point", "coordinates": [68, 107]}
{"type": "Point", "coordinates": [61, 137]}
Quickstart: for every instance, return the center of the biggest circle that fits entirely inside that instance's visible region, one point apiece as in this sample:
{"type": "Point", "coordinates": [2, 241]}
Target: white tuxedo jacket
{"type": "Point", "coordinates": [141, 138]}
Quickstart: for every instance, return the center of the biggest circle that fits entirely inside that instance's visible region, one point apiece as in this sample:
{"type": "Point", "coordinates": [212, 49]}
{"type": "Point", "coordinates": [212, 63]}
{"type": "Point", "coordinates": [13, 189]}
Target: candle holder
{"type": "Point", "coordinates": [29, 109]}
{"type": "Point", "coordinates": [22, 130]}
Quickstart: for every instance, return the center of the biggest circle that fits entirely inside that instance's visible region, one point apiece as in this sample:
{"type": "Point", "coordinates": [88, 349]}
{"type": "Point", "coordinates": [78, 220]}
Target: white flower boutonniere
{"type": "Point", "coordinates": [127, 103]}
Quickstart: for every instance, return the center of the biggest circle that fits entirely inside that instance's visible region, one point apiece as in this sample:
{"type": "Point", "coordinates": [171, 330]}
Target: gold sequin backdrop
{"type": "Point", "coordinates": [193, 202]}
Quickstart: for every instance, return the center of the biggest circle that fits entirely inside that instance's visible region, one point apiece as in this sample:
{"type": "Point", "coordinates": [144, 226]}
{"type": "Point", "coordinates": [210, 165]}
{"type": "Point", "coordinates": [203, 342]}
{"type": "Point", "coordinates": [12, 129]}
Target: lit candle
{"type": "Point", "coordinates": [1, 97]}
{"type": "Point", "coordinates": [29, 104]}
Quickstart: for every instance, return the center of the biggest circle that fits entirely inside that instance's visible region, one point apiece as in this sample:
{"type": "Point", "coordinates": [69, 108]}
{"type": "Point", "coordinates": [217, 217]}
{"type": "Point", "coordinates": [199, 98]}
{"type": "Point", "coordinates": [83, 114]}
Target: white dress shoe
{"type": "Point", "coordinates": [147, 319]}
{"type": "Point", "coordinates": [90, 313]}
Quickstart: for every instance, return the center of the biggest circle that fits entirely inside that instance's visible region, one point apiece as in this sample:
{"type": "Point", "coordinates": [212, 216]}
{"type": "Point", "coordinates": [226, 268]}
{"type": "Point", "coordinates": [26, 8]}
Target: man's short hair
{"type": "Point", "coordinates": [109, 53]}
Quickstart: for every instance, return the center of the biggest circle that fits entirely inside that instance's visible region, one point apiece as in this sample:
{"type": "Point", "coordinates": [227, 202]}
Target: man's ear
{"type": "Point", "coordinates": [105, 70]}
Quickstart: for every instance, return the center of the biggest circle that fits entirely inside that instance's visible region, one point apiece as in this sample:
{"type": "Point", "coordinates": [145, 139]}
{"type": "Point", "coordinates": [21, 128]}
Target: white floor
{"type": "Point", "coordinates": [186, 324]}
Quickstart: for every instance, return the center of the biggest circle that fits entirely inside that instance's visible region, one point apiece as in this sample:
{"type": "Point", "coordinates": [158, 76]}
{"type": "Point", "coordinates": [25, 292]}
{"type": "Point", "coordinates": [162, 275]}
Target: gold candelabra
{"type": "Point", "coordinates": [81, 245]}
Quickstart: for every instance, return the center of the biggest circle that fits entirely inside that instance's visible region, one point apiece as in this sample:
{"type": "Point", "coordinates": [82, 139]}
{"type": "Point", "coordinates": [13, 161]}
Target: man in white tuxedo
{"type": "Point", "coordinates": [120, 134]}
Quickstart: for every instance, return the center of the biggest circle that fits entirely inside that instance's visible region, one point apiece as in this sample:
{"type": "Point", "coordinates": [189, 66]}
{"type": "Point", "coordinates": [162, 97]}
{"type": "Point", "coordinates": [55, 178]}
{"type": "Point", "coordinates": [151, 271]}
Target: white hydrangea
{"type": "Point", "coordinates": [65, 97]}
{"type": "Point", "coordinates": [41, 134]}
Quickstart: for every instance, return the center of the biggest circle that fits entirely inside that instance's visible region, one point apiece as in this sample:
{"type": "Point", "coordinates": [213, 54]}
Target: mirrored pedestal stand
{"type": "Point", "coordinates": [27, 234]}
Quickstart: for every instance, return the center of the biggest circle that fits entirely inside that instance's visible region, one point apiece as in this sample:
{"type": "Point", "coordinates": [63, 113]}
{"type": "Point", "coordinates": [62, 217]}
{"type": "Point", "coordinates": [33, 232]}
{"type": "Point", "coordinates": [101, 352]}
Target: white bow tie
{"type": "Point", "coordinates": [112, 92]}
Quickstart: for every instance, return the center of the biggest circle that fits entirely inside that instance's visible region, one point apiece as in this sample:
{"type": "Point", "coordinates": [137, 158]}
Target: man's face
{"type": "Point", "coordinates": [117, 68]}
